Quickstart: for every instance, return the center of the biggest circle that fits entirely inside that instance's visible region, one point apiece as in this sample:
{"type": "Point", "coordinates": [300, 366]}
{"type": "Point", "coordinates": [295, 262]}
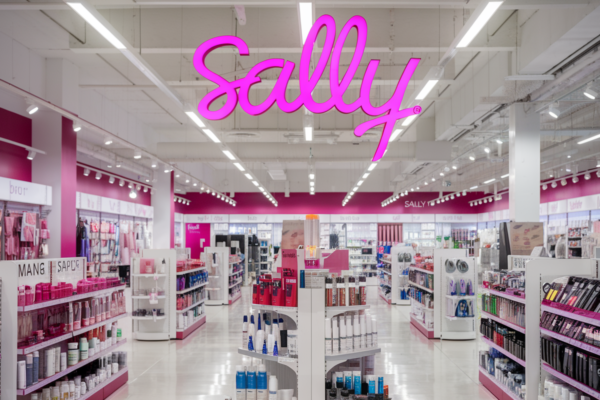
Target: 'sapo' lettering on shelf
{"type": "Point", "coordinates": [388, 113]}
{"type": "Point", "coordinates": [68, 265]}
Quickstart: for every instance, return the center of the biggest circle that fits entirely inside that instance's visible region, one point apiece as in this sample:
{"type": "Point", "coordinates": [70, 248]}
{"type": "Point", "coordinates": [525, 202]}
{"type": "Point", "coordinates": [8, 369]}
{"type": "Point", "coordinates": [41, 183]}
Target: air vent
{"type": "Point", "coordinates": [277, 174]}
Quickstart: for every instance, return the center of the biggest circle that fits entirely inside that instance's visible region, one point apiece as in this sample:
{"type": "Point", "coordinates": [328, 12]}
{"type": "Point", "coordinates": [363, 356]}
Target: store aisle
{"type": "Point", "coordinates": [203, 366]}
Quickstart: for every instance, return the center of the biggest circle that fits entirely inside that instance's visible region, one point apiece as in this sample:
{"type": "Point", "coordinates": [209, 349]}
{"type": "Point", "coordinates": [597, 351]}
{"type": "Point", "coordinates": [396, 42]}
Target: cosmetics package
{"type": "Point", "coordinates": [328, 337]}
{"type": "Point", "coordinates": [146, 266]}
{"type": "Point", "coordinates": [277, 293]}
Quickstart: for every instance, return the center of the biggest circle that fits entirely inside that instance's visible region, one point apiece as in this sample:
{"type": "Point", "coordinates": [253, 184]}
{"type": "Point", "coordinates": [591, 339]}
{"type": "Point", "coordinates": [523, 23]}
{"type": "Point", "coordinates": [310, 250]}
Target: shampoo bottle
{"type": "Point", "coordinates": [357, 382]}
{"type": "Point", "coordinates": [251, 383]}
{"type": "Point", "coordinates": [240, 383]}
{"type": "Point", "coordinates": [251, 334]}
{"type": "Point", "coordinates": [273, 384]}
{"type": "Point", "coordinates": [262, 392]}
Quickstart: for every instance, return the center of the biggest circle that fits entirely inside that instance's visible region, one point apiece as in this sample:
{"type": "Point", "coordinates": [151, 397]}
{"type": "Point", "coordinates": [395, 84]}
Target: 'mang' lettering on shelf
{"type": "Point", "coordinates": [32, 269]}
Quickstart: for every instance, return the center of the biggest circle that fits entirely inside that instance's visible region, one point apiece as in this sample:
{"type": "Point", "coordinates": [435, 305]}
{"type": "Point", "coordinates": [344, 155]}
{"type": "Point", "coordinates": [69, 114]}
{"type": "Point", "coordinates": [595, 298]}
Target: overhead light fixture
{"type": "Point", "coordinates": [432, 179]}
{"type": "Point", "coordinates": [132, 194]}
{"type": "Point", "coordinates": [86, 172]}
{"type": "Point", "coordinates": [31, 155]}
{"type": "Point", "coordinates": [473, 187]}
{"type": "Point", "coordinates": [255, 183]}
{"type": "Point", "coordinates": [76, 126]}
{"type": "Point", "coordinates": [92, 20]}
{"type": "Point", "coordinates": [359, 183]}
{"type": "Point", "coordinates": [425, 183]}
{"type": "Point", "coordinates": [192, 115]}
{"type": "Point", "coordinates": [554, 185]}
{"type": "Point", "coordinates": [505, 176]}
{"type": "Point", "coordinates": [130, 185]}
{"type": "Point", "coordinates": [32, 109]}
{"type": "Point", "coordinates": [587, 176]}
{"type": "Point", "coordinates": [145, 189]}
{"type": "Point", "coordinates": [261, 189]}
{"type": "Point", "coordinates": [590, 93]}
{"type": "Point", "coordinates": [308, 133]}
{"type": "Point", "coordinates": [395, 134]}
{"type": "Point", "coordinates": [306, 19]}
{"type": "Point", "coordinates": [472, 156]}
{"type": "Point", "coordinates": [452, 197]}
{"type": "Point", "coordinates": [214, 193]}
{"type": "Point", "coordinates": [312, 183]}
{"type": "Point", "coordinates": [479, 23]}
{"type": "Point", "coordinates": [121, 182]}
{"type": "Point", "coordinates": [489, 181]}
{"type": "Point", "coordinates": [176, 175]}
{"type": "Point", "coordinates": [138, 187]}
{"type": "Point", "coordinates": [154, 164]}
{"type": "Point", "coordinates": [365, 176]}
{"type": "Point", "coordinates": [228, 154]}
{"type": "Point", "coordinates": [111, 180]}
{"type": "Point", "coordinates": [563, 182]}
{"type": "Point", "coordinates": [589, 139]}
{"type": "Point", "coordinates": [137, 154]}
{"type": "Point", "coordinates": [480, 202]}
{"type": "Point", "coordinates": [248, 176]}
{"type": "Point", "coordinates": [211, 135]}
{"type": "Point", "coordinates": [457, 194]}
{"type": "Point", "coordinates": [98, 176]}
{"type": "Point", "coordinates": [487, 150]}
{"type": "Point", "coordinates": [441, 174]}
{"type": "Point", "coordinates": [167, 170]}
{"type": "Point", "coordinates": [554, 111]}
{"type": "Point", "coordinates": [372, 166]}
{"type": "Point", "coordinates": [408, 120]}
{"type": "Point", "coordinates": [499, 141]}
{"type": "Point", "coordinates": [426, 89]}
{"type": "Point", "coordinates": [239, 166]}
{"type": "Point", "coordinates": [575, 179]}
{"type": "Point", "coordinates": [412, 189]}
{"type": "Point", "coordinates": [418, 188]}
{"type": "Point", "coordinates": [464, 192]}
{"type": "Point", "coordinates": [311, 176]}
{"type": "Point", "coordinates": [454, 166]}
{"type": "Point", "coordinates": [118, 164]}
{"type": "Point", "coordinates": [108, 141]}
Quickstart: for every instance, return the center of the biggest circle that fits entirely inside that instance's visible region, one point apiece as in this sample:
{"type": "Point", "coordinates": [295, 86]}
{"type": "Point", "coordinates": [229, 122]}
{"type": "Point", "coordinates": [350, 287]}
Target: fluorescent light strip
{"type": "Point", "coordinates": [92, 20]}
{"type": "Point", "coordinates": [408, 120]}
{"type": "Point", "coordinates": [306, 19]}
{"type": "Point", "coordinates": [478, 25]}
{"type": "Point", "coordinates": [426, 89]}
{"type": "Point", "coordinates": [396, 133]}
{"type": "Point", "coordinates": [372, 166]}
{"type": "Point", "coordinates": [211, 135]}
{"type": "Point", "coordinates": [196, 119]}
{"type": "Point", "coordinates": [505, 176]}
{"type": "Point", "coordinates": [473, 187]}
{"type": "Point", "coordinates": [308, 133]}
{"type": "Point", "coordinates": [248, 176]}
{"type": "Point", "coordinates": [589, 139]}
{"type": "Point", "coordinates": [240, 167]}
{"type": "Point", "coordinates": [255, 183]}
{"type": "Point", "coordinates": [228, 154]}
{"type": "Point", "coordinates": [489, 181]}
{"type": "Point", "coordinates": [365, 176]}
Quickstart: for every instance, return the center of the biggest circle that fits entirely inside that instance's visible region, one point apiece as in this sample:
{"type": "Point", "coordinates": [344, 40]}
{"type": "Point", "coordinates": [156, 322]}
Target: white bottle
{"type": "Point", "coordinates": [328, 338]}
{"type": "Point", "coordinates": [260, 340]}
{"type": "Point", "coordinates": [374, 331]}
{"type": "Point", "coordinates": [244, 332]}
{"type": "Point", "coordinates": [273, 387]}
{"type": "Point", "coordinates": [342, 335]}
{"type": "Point", "coordinates": [356, 329]}
{"type": "Point", "coordinates": [336, 338]}
{"type": "Point", "coordinates": [363, 332]}
{"type": "Point", "coordinates": [369, 339]}
{"type": "Point", "coordinates": [349, 335]}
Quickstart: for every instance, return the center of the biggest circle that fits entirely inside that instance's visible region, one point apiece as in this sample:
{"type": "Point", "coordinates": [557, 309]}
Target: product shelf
{"type": "Point", "coordinates": [385, 261]}
{"type": "Point", "coordinates": [70, 299]}
{"type": "Point", "coordinates": [190, 307]}
{"type": "Point", "coordinates": [449, 296]}
{"type": "Point", "coordinates": [191, 270]}
{"type": "Point", "coordinates": [389, 301]}
{"type": "Point", "coordinates": [497, 389]}
{"type": "Point", "coordinates": [385, 284]}
{"type": "Point", "coordinates": [506, 295]}
{"type": "Point", "coordinates": [584, 346]}
{"type": "Point", "coordinates": [235, 284]}
{"type": "Point", "coordinates": [503, 351]}
{"type": "Point", "coordinates": [420, 287]}
{"type": "Point", "coordinates": [502, 321]}
{"type": "Point", "coordinates": [44, 382]}
{"type": "Point", "coordinates": [104, 384]}
{"type": "Point", "coordinates": [420, 270]}
{"type": "Point", "coordinates": [147, 297]}
{"type": "Point", "coordinates": [97, 324]}
{"type": "Point", "coordinates": [577, 314]}
{"type": "Point", "coordinates": [42, 345]}
{"type": "Point", "coordinates": [353, 355]}
{"type": "Point", "coordinates": [577, 385]}
{"type": "Point", "coordinates": [191, 288]}
{"type": "Point", "coordinates": [421, 327]}
{"type": "Point", "coordinates": [255, 354]}
{"type": "Point", "coordinates": [149, 275]}
{"type": "Point", "coordinates": [237, 273]}
{"type": "Point", "coordinates": [333, 311]}
{"type": "Point", "coordinates": [384, 271]}
{"type": "Point", "coordinates": [149, 318]}
{"type": "Point", "coordinates": [421, 306]}
{"type": "Point", "coordinates": [236, 298]}
{"type": "Point", "coordinates": [183, 333]}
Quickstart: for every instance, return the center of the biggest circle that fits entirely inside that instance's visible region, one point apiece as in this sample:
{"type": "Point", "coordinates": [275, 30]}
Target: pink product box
{"type": "Point", "coordinates": [516, 292]}
{"type": "Point", "coordinates": [146, 266]}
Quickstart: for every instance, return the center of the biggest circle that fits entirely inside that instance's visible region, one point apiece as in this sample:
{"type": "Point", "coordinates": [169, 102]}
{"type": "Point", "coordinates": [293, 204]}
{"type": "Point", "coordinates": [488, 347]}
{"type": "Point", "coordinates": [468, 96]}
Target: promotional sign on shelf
{"type": "Point", "coordinates": [112, 206]}
{"type": "Point", "coordinates": [69, 270]}
{"type": "Point", "coordinates": [353, 218]}
{"type": "Point", "coordinates": [557, 207]}
{"type": "Point", "coordinates": [206, 218]}
{"type": "Point", "coordinates": [25, 192]}
{"type": "Point", "coordinates": [455, 217]}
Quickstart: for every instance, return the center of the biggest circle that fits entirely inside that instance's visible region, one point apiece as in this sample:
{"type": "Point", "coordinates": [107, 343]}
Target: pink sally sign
{"type": "Point", "coordinates": [238, 90]}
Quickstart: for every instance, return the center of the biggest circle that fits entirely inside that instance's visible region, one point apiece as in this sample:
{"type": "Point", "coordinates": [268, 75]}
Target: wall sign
{"type": "Point", "coordinates": [557, 207]}
{"type": "Point", "coordinates": [353, 218]}
{"type": "Point", "coordinates": [389, 112]}
{"type": "Point", "coordinates": [25, 192]}
{"type": "Point", "coordinates": [394, 218]}
{"type": "Point", "coordinates": [209, 218]}
{"type": "Point", "coordinates": [92, 202]}
{"type": "Point", "coordinates": [455, 217]}
{"type": "Point", "coordinates": [415, 204]}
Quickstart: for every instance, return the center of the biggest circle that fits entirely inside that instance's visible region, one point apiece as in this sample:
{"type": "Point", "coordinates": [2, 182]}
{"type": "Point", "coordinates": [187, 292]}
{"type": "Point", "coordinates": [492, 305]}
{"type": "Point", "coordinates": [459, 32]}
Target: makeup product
{"type": "Point", "coordinates": [341, 292]}
{"type": "Point", "coordinates": [262, 392]}
{"type": "Point", "coordinates": [240, 383]}
{"type": "Point", "coordinates": [363, 290]}
{"type": "Point", "coordinates": [328, 292]}
{"type": "Point", "coordinates": [328, 338]}
{"type": "Point", "coordinates": [251, 381]}
{"type": "Point", "coordinates": [85, 314]}
{"type": "Point", "coordinates": [351, 291]}
{"type": "Point", "coordinates": [36, 367]}
{"type": "Point", "coordinates": [273, 386]}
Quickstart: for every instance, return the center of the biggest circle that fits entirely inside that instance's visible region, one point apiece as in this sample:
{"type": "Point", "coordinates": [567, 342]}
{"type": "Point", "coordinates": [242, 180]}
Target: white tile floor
{"type": "Point", "coordinates": [202, 366]}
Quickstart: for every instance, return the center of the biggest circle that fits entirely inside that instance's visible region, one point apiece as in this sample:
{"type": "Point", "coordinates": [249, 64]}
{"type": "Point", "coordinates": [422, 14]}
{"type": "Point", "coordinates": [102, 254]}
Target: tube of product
{"type": "Point", "coordinates": [240, 382]}
{"type": "Point", "coordinates": [372, 380]}
{"type": "Point", "coordinates": [357, 382]}
{"type": "Point", "coordinates": [49, 363]}
{"type": "Point", "coordinates": [28, 370]}
{"type": "Point", "coordinates": [336, 338]}
{"type": "Point", "coordinates": [273, 387]}
{"type": "Point", "coordinates": [342, 335]}
{"type": "Point", "coordinates": [270, 343]}
{"type": "Point", "coordinates": [56, 360]}
{"type": "Point", "coordinates": [348, 380]}
{"type": "Point", "coordinates": [380, 385]}
{"type": "Point", "coordinates": [328, 292]}
{"type": "Point", "coordinates": [251, 381]}
{"type": "Point", "coordinates": [262, 392]}
{"type": "Point", "coordinates": [356, 329]}
{"type": "Point", "coordinates": [251, 334]}
{"type": "Point", "coordinates": [341, 289]}
{"type": "Point", "coordinates": [363, 290]}
{"type": "Point", "coordinates": [85, 314]}
{"type": "Point", "coordinates": [352, 291]}
{"type": "Point", "coordinates": [328, 339]}
{"type": "Point", "coordinates": [36, 367]}
{"type": "Point", "coordinates": [339, 380]}
{"type": "Point", "coordinates": [21, 375]}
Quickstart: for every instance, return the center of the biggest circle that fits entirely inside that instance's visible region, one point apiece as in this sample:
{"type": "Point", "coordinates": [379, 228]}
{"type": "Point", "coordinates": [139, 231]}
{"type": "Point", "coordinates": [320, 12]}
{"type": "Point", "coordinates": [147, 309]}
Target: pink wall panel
{"type": "Point", "coordinates": [90, 185]}
{"type": "Point", "coordinates": [194, 233]}
{"type": "Point", "coordinates": [13, 159]}
{"type": "Point", "coordinates": [68, 189]}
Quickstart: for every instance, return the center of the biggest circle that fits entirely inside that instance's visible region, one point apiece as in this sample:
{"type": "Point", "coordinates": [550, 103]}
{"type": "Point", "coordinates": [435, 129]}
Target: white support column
{"type": "Point", "coordinates": [524, 163]}
{"type": "Point", "coordinates": [164, 211]}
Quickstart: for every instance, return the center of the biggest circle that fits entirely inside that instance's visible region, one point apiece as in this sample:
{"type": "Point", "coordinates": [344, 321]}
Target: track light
{"type": "Point", "coordinates": [544, 186]}
{"type": "Point", "coordinates": [86, 172]}
{"type": "Point", "coordinates": [563, 182]}
{"type": "Point", "coordinates": [587, 176]}
{"type": "Point", "coordinates": [32, 109]}
{"type": "Point", "coordinates": [486, 149]}
{"type": "Point", "coordinates": [132, 194]}
{"type": "Point", "coordinates": [76, 126]}
{"type": "Point", "coordinates": [553, 185]}
{"type": "Point", "coordinates": [130, 185]}
{"type": "Point", "coordinates": [118, 164]}
{"type": "Point", "coordinates": [553, 110]}
{"type": "Point", "coordinates": [137, 154]}
{"type": "Point", "coordinates": [121, 182]}
{"type": "Point", "coordinates": [457, 194]}
{"type": "Point", "coordinates": [590, 93]}
{"type": "Point", "coordinates": [472, 156]}
{"type": "Point", "coordinates": [154, 164]}
{"type": "Point", "coordinates": [145, 189]}
{"type": "Point", "coordinates": [138, 187]}
{"type": "Point", "coordinates": [575, 179]}
{"type": "Point", "coordinates": [108, 141]}
{"type": "Point", "coordinates": [111, 180]}
{"type": "Point", "coordinates": [31, 155]}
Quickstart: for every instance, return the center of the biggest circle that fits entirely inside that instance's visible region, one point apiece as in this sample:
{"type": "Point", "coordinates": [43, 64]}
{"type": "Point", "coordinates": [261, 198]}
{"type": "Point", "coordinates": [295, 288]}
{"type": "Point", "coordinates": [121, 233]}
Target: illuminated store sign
{"type": "Point", "coordinates": [238, 90]}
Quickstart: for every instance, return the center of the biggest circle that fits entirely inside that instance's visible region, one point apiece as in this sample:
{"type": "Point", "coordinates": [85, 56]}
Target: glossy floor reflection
{"type": "Point", "coordinates": [203, 365]}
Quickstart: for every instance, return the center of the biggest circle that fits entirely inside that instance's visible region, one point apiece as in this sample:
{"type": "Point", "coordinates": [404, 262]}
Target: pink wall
{"type": "Point", "coordinates": [13, 159]}
{"type": "Point", "coordinates": [194, 233]}
{"type": "Point", "coordinates": [172, 210]}
{"type": "Point", "coordinates": [90, 185]}
{"type": "Point", "coordinates": [68, 189]}
{"type": "Point", "coordinates": [325, 203]}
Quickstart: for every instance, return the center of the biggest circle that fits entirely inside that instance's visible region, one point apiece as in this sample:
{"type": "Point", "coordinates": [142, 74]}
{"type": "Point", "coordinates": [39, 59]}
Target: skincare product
{"type": "Point", "coordinates": [21, 375]}
{"type": "Point", "coordinates": [356, 329]}
{"type": "Point", "coordinates": [29, 369]}
{"type": "Point", "coordinates": [251, 381]}
{"type": "Point", "coordinates": [262, 392]}
{"type": "Point", "coordinates": [348, 380]}
{"type": "Point", "coordinates": [273, 386]}
{"type": "Point", "coordinates": [363, 332]}
{"type": "Point", "coordinates": [342, 335]}
{"type": "Point", "coordinates": [357, 382]}
{"type": "Point", "coordinates": [36, 367]}
{"type": "Point", "coordinates": [240, 383]}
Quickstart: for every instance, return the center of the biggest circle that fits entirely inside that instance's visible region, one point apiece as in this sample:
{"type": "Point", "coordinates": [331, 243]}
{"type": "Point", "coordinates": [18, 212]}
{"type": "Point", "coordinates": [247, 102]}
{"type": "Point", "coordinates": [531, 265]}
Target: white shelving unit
{"type": "Point", "coordinates": [220, 291]}
{"type": "Point", "coordinates": [400, 255]}
{"type": "Point", "coordinates": [160, 327]}
{"type": "Point", "coordinates": [364, 264]}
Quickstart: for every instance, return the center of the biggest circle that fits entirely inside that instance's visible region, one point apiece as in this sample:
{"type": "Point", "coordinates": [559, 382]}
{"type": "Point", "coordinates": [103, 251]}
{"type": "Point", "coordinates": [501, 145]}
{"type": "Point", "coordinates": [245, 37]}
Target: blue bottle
{"type": "Point", "coordinates": [240, 382]}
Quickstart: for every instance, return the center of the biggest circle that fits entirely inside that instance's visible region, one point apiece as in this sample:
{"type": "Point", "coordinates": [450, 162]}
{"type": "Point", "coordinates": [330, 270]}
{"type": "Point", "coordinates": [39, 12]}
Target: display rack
{"type": "Point", "coordinates": [386, 272]}
{"type": "Point", "coordinates": [421, 304]}
{"type": "Point", "coordinates": [52, 271]}
{"type": "Point", "coordinates": [363, 260]}
{"type": "Point", "coordinates": [457, 317]}
{"type": "Point", "coordinates": [225, 276]}
{"type": "Point", "coordinates": [265, 234]}
{"type": "Point", "coordinates": [193, 316]}
{"type": "Point", "coordinates": [161, 326]}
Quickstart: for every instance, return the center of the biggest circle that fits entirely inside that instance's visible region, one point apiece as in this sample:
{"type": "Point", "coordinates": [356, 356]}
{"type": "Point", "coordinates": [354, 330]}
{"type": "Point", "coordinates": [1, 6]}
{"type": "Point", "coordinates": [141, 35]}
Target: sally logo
{"type": "Point", "coordinates": [238, 90]}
